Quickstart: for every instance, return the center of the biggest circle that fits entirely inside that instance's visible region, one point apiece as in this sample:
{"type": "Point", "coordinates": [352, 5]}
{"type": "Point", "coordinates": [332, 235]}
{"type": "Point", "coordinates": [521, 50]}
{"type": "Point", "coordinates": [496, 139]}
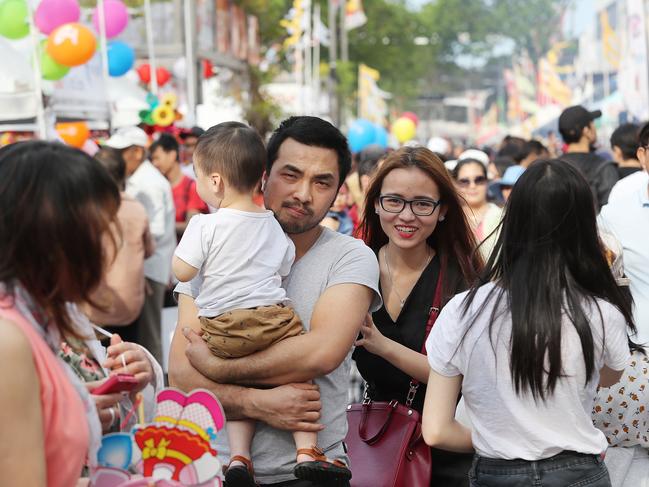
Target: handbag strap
{"type": "Point", "coordinates": [432, 318]}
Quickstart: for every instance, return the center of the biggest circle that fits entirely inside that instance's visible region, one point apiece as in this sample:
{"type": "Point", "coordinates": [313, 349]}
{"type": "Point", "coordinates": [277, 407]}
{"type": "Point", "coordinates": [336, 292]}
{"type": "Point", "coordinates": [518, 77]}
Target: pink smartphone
{"type": "Point", "coordinates": [116, 383]}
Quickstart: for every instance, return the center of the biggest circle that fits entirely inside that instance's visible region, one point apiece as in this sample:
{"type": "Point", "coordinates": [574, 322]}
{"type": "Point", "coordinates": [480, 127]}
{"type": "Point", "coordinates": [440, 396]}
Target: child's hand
{"type": "Point", "coordinates": [200, 356]}
{"type": "Point", "coordinates": [130, 354]}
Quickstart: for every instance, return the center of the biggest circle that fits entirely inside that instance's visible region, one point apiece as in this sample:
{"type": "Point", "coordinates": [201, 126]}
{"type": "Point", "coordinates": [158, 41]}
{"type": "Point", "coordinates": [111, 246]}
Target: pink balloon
{"type": "Point", "coordinates": [115, 15]}
{"type": "Point", "coordinates": [51, 14]}
{"type": "Point", "coordinates": [412, 116]}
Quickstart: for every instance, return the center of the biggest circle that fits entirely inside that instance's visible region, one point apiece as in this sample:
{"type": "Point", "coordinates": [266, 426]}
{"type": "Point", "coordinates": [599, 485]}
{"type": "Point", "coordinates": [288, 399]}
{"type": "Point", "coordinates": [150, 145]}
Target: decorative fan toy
{"type": "Point", "coordinates": [176, 449]}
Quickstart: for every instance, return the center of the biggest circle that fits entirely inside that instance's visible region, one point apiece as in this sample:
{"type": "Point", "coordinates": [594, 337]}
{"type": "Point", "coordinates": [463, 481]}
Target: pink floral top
{"type": "Point", "coordinates": [620, 411]}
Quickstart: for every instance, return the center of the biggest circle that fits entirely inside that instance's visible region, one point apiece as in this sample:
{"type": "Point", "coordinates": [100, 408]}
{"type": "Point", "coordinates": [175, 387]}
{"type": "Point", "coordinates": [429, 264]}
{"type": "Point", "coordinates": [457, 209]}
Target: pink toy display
{"type": "Point", "coordinates": [176, 449]}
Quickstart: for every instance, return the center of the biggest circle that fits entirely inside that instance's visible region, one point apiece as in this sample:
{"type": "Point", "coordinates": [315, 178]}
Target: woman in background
{"type": "Point", "coordinates": [471, 180]}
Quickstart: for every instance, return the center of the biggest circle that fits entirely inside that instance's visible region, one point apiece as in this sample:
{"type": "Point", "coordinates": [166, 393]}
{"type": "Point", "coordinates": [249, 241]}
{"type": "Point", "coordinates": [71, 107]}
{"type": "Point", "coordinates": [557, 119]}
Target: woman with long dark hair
{"type": "Point", "coordinates": [56, 207]}
{"type": "Point", "coordinates": [529, 344]}
{"type": "Point", "coordinates": [415, 224]}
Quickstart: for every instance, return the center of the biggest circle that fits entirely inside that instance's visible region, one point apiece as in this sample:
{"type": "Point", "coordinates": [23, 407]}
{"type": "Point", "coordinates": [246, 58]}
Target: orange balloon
{"type": "Point", "coordinates": [71, 44]}
{"type": "Point", "coordinates": [73, 133]}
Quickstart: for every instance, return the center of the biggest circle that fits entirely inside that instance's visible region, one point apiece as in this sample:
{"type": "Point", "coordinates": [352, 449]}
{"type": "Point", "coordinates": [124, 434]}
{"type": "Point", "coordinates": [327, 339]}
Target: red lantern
{"type": "Point", "coordinates": [208, 68]}
{"type": "Point", "coordinates": [412, 116]}
{"type": "Point", "coordinates": [144, 72]}
{"type": "Point", "coordinates": [163, 76]}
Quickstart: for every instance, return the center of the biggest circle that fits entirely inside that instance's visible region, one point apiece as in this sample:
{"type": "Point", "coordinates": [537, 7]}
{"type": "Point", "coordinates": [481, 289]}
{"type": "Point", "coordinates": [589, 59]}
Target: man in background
{"type": "Point", "coordinates": [576, 125]}
{"type": "Point", "coordinates": [624, 144]}
{"type": "Point", "coordinates": [627, 219]}
{"type": "Point", "coordinates": [190, 139]}
{"type": "Point", "coordinates": [149, 187]}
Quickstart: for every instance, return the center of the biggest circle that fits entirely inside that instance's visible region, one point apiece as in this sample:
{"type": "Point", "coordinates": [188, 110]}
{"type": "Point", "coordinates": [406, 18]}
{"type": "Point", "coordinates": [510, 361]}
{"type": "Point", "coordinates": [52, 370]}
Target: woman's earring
{"type": "Point", "coordinates": [442, 218]}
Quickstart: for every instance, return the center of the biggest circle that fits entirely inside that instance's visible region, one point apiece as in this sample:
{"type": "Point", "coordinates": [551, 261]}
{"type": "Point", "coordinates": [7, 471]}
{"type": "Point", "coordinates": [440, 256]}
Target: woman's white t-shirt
{"type": "Point", "coordinates": [241, 256]}
{"type": "Point", "coordinates": [511, 426]}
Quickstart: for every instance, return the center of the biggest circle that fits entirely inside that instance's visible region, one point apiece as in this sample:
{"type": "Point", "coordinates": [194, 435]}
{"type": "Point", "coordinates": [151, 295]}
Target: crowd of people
{"type": "Point", "coordinates": [512, 281]}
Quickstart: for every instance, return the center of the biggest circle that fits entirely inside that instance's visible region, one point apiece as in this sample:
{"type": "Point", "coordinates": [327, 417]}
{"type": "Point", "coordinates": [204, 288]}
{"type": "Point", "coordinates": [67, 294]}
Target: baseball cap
{"type": "Point", "coordinates": [439, 145]}
{"type": "Point", "coordinates": [126, 137]}
{"type": "Point", "coordinates": [476, 154]}
{"type": "Point", "coordinates": [574, 119]}
{"type": "Point", "coordinates": [512, 173]}
{"type": "Point", "coordinates": [195, 131]}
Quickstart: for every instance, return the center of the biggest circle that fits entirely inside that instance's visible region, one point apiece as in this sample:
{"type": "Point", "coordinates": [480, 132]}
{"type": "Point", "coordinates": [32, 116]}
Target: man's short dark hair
{"type": "Point", "coordinates": [643, 135]}
{"type": "Point", "coordinates": [315, 132]}
{"type": "Point", "coordinates": [625, 137]}
{"type": "Point", "coordinates": [114, 163]}
{"type": "Point", "coordinates": [235, 151]}
{"type": "Point", "coordinates": [512, 147]}
{"type": "Point", "coordinates": [534, 147]}
{"type": "Point", "coordinates": [368, 159]}
{"type": "Point", "coordinates": [167, 143]}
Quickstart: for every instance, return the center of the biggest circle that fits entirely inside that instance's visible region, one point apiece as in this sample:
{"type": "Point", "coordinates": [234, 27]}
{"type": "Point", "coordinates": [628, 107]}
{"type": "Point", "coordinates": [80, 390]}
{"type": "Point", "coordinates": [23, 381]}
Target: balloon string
{"type": "Point", "coordinates": [136, 405]}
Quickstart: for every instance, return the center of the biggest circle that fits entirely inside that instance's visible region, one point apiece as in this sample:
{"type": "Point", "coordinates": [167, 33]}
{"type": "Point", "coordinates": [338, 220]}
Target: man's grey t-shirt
{"type": "Point", "coordinates": [333, 259]}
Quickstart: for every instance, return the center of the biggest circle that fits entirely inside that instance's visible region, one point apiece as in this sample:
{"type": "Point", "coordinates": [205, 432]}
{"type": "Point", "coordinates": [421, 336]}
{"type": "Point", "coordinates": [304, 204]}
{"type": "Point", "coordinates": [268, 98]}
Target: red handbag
{"type": "Point", "coordinates": [384, 440]}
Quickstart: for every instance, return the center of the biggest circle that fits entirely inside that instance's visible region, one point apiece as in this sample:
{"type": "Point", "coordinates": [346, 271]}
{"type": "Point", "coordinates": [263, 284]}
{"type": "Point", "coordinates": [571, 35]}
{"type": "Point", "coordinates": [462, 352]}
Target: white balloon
{"type": "Point", "coordinates": [179, 68]}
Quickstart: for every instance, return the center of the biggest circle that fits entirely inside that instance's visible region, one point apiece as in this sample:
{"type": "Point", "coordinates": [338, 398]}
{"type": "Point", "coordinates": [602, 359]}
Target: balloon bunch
{"type": "Point", "coordinates": [162, 111]}
{"type": "Point", "coordinates": [404, 128]}
{"type": "Point", "coordinates": [74, 134]}
{"type": "Point", "coordinates": [362, 133]}
{"type": "Point", "coordinates": [144, 73]}
{"type": "Point", "coordinates": [69, 43]}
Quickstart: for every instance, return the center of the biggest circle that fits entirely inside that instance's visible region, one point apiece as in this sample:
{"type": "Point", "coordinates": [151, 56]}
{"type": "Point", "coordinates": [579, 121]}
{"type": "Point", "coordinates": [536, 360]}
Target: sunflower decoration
{"type": "Point", "coordinates": [162, 111]}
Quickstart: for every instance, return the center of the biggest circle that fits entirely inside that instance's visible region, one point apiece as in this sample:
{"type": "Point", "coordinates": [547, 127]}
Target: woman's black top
{"type": "Point", "coordinates": [386, 382]}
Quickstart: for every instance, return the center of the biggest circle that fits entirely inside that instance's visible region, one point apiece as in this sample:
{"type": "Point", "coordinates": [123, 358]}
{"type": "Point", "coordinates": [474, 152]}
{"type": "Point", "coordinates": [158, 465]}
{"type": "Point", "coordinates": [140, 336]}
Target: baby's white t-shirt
{"type": "Point", "coordinates": [511, 426]}
{"type": "Point", "coordinates": [241, 256]}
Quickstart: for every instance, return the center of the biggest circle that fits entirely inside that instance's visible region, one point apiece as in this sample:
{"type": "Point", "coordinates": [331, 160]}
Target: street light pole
{"type": "Point", "coordinates": [333, 48]}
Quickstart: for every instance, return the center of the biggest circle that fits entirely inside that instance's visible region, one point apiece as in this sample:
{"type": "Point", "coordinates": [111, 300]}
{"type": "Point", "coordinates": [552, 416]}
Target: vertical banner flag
{"type": "Point", "coordinates": [254, 41]}
{"type": "Point", "coordinates": [372, 104]}
{"type": "Point", "coordinates": [354, 14]}
{"type": "Point", "coordinates": [610, 40]}
{"type": "Point", "coordinates": [633, 79]}
{"type": "Point", "coordinates": [223, 26]}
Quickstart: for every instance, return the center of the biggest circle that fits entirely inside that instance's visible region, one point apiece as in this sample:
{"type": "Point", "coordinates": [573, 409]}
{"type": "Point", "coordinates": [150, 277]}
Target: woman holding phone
{"type": "Point", "coordinates": [56, 207]}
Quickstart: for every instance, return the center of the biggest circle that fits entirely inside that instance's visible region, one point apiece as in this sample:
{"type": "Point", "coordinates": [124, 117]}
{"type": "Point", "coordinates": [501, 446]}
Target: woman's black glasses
{"type": "Point", "coordinates": [419, 207]}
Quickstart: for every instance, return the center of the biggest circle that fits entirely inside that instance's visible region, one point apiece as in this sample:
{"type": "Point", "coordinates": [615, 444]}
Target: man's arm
{"type": "Point", "coordinates": [335, 324]}
{"type": "Point", "coordinates": [291, 407]}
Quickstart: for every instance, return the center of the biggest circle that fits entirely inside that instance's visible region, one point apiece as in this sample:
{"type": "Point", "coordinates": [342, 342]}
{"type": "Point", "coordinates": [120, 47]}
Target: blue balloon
{"type": "Point", "coordinates": [121, 57]}
{"type": "Point", "coordinates": [380, 136]}
{"type": "Point", "coordinates": [360, 134]}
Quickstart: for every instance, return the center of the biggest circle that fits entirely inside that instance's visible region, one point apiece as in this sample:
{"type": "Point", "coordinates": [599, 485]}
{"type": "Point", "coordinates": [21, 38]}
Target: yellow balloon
{"type": "Point", "coordinates": [404, 129]}
{"type": "Point", "coordinates": [163, 116]}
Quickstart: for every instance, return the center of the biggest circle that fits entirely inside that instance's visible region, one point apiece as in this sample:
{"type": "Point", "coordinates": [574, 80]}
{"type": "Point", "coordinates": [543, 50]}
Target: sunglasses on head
{"type": "Point", "coordinates": [466, 182]}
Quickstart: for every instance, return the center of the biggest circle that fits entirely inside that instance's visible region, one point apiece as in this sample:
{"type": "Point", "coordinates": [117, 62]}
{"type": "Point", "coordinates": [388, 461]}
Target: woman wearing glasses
{"type": "Point", "coordinates": [471, 180]}
{"type": "Point", "coordinates": [415, 224]}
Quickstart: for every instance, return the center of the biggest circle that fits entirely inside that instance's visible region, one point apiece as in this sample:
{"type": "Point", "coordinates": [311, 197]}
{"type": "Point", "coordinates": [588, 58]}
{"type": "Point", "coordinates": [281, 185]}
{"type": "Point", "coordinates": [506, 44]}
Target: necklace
{"type": "Point", "coordinates": [386, 256]}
